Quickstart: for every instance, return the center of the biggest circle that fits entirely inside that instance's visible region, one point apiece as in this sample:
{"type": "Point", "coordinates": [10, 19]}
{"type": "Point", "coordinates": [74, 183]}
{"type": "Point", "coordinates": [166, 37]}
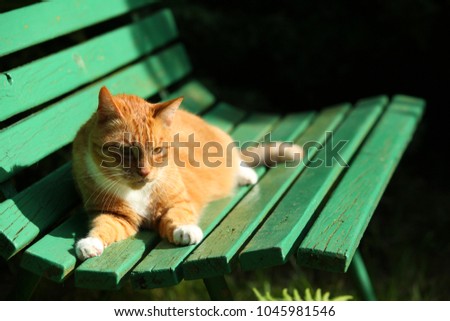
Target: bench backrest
{"type": "Point", "coordinates": [128, 45]}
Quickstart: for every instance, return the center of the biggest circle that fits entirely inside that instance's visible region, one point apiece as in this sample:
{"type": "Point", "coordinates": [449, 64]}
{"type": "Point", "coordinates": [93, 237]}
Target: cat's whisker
{"type": "Point", "coordinates": [96, 192]}
{"type": "Point", "coordinates": [93, 193]}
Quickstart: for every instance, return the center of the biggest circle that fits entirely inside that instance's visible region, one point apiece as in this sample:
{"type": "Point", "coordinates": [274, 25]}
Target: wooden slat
{"type": "Point", "coordinates": [53, 256]}
{"type": "Point", "coordinates": [257, 125]}
{"type": "Point", "coordinates": [33, 24]}
{"type": "Point", "coordinates": [225, 117]}
{"type": "Point", "coordinates": [62, 260]}
{"type": "Point", "coordinates": [48, 130]}
{"type": "Point", "coordinates": [30, 212]}
{"type": "Point", "coordinates": [108, 270]}
{"type": "Point", "coordinates": [274, 241]}
{"type": "Point", "coordinates": [197, 99]}
{"type": "Point", "coordinates": [162, 267]}
{"type": "Point", "coordinates": [215, 255]}
{"type": "Point", "coordinates": [333, 239]}
{"type": "Point", "coordinates": [47, 78]}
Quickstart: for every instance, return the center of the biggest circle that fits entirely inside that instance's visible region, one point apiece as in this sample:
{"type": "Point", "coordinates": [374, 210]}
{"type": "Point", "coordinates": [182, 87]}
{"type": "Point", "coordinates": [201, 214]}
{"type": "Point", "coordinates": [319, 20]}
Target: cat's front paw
{"type": "Point", "coordinates": [187, 234]}
{"type": "Point", "coordinates": [89, 247]}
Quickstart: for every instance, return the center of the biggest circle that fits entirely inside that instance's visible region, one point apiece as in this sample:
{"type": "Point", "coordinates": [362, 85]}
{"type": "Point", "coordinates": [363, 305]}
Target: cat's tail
{"type": "Point", "coordinates": [269, 154]}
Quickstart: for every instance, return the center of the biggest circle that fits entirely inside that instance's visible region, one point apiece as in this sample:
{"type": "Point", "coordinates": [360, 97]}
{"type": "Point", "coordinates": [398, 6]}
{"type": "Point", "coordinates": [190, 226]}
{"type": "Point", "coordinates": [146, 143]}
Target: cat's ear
{"type": "Point", "coordinates": [107, 109]}
{"type": "Point", "coordinates": [166, 110]}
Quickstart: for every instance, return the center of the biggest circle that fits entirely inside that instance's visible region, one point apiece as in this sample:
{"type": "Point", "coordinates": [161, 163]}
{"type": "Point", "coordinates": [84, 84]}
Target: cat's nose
{"type": "Point", "coordinates": [143, 172]}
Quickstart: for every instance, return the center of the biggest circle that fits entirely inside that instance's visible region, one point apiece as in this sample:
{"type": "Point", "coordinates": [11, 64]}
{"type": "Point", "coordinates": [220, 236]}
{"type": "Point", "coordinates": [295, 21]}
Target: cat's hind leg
{"type": "Point", "coordinates": [246, 176]}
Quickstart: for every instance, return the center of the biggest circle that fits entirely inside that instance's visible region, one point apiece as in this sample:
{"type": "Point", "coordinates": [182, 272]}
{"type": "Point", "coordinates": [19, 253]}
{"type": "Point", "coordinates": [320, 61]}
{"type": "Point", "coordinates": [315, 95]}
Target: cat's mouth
{"type": "Point", "coordinates": [141, 182]}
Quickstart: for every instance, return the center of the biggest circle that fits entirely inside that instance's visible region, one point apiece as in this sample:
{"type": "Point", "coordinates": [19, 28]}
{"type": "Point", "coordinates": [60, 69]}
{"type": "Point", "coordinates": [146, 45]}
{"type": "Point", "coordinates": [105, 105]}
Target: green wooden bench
{"type": "Point", "coordinates": [316, 212]}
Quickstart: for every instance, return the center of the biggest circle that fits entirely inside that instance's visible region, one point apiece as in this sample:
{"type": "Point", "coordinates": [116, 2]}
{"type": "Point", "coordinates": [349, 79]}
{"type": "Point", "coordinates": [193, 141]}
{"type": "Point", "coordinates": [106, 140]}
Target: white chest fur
{"type": "Point", "coordinates": [136, 199]}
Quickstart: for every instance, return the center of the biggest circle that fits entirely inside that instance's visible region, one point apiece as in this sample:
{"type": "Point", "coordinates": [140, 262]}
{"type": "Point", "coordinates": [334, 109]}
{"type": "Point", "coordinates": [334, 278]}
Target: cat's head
{"type": "Point", "coordinates": [130, 138]}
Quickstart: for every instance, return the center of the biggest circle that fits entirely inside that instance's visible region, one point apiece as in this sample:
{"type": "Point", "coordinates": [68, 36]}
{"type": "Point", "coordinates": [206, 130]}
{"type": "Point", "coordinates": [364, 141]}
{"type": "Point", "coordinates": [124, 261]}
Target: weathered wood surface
{"type": "Point", "coordinates": [43, 21]}
{"type": "Point", "coordinates": [333, 239]}
{"type": "Point", "coordinates": [217, 253]}
{"type": "Point", "coordinates": [273, 243]}
{"type": "Point", "coordinates": [42, 80]}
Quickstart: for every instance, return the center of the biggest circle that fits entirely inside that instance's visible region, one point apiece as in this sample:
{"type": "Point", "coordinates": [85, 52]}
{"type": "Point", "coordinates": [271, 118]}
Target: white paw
{"type": "Point", "coordinates": [89, 247]}
{"type": "Point", "coordinates": [187, 234]}
{"type": "Point", "coordinates": [247, 176]}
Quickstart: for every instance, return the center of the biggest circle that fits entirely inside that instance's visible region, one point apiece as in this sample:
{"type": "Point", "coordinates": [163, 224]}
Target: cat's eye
{"type": "Point", "coordinates": [157, 150]}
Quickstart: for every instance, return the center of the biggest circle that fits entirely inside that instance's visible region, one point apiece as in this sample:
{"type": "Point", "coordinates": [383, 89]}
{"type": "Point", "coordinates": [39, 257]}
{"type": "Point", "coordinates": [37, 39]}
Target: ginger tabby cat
{"type": "Point", "coordinates": [136, 165]}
